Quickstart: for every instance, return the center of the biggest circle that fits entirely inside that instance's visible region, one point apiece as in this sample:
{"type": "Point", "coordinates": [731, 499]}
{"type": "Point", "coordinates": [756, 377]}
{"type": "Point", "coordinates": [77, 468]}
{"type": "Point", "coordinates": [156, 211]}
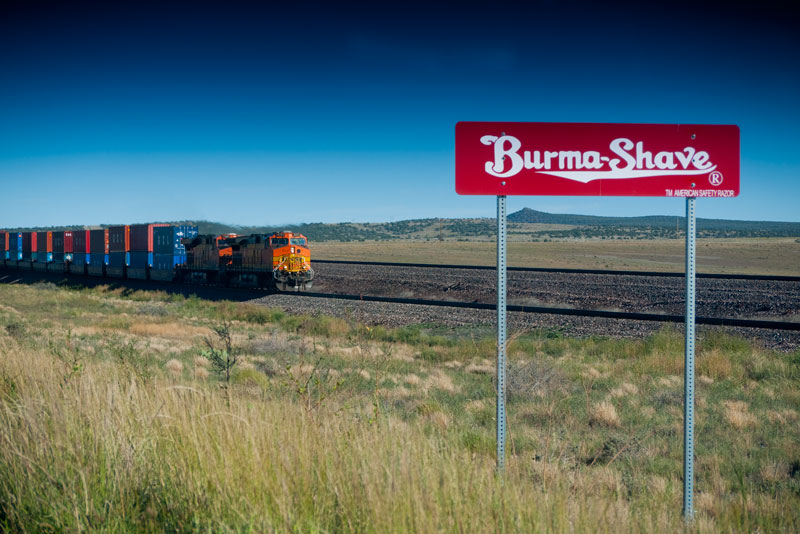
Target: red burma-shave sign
{"type": "Point", "coordinates": [550, 158]}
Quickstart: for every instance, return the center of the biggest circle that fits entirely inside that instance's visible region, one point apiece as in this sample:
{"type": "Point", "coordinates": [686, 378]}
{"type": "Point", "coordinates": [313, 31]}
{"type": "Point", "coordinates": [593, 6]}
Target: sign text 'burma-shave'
{"type": "Point", "coordinates": [545, 158]}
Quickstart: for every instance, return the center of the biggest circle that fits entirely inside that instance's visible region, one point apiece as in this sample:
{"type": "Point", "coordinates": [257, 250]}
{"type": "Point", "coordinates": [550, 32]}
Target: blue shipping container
{"type": "Point", "coordinates": [97, 260]}
{"type": "Point", "coordinates": [167, 239]}
{"type": "Point", "coordinates": [80, 258]}
{"type": "Point", "coordinates": [140, 260]}
{"type": "Point", "coordinates": [162, 237]}
{"type": "Point", "coordinates": [118, 259]}
{"type": "Point", "coordinates": [165, 262]}
{"type": "Point", "coordinates": [14, 242]}
{"type": "Point", "coordinates": [183, 232]}
{"type": "Point", "coordinates": [58, 257]}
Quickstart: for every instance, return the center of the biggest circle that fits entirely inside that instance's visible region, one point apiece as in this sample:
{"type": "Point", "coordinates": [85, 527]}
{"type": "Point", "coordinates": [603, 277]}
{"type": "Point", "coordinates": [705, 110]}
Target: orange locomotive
{"type": "Point", "coordinates": [280, 260]}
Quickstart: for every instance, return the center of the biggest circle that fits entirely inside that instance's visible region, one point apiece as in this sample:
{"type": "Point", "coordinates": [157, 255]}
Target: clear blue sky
{"type": "Point", "coordinates": [246, 113]}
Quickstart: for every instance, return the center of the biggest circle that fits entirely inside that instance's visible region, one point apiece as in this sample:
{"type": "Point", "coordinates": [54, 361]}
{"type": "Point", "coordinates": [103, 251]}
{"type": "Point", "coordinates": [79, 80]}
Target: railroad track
{"type": "Point", "coordinates": [217, 292]}
{"type": "Point", "coordinates": [657, 317]}
{"type": "Point", "coordinates": [719, 276]}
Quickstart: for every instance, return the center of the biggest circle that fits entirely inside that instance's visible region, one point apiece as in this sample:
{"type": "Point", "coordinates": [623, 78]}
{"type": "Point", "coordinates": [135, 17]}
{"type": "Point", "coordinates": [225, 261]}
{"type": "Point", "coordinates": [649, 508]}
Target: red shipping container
{"type": "Point", "coordinates": [119, 238]}
{"type": "Point", "coordinates": [98, 241]}
{"type": "Point", "coordinates": [80, 241]}
{"type": "Point", "coordinates": [68, 241]}
{"type": "Point", "coordinates": [142, 237]}
{"type": "Point", "coordinates": [44, 241]}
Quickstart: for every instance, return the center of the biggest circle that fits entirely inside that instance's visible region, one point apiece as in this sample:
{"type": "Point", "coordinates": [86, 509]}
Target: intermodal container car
{"type": "Point", "coordinates": [138, 264]}
{"type": "Point", "coordinates": [59, 255]}
{"type": "Point", "coordinates": [164, 262]}
{"type": "Point", "coordinates": [98, 242]}
{"type": "Point", "coordinates": [14, 246]}
{"type": "Point", "coordinates": [140, 259]}
{"type": "Point", "coordinates": [117, 262]}
{"type": "Point", "coordinates": [44, 247]}
{"type": "Point", "coordinates": [118, 259]}
{"type": "Point", "coordinates": [79, 262]}
{"type": "Point", "coordinates": [164, 266]}
{"type": "Point", "coordinates": [57, 242]}
{"type": "Point", "coordinates": [56, 266]}
{"type": "Point", "coordinates": [119, 238]}
{"type": "Point", "coordinates": [141, 239]}
{"type": "Point", "coordinates": [68, 244]}
{"type": "Point", "coordinates": [62, 246]}
{"type": "Point", "coordinates": [28, 246]}
{"type": "Point", "coordinates": [162, 275]}
{"type": "Point", "coordinates": [167, 240]}
{"type": "Point", "coordinates": [80, 252]}
{"type": "Point", "coordinates": [97, 263]}
{"type": "Point", "coordinates": [136, 273]}
{"type": "Point", "coordinates": [80, 246]}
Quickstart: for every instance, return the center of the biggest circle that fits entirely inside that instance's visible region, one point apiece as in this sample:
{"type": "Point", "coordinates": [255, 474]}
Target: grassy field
{"type": "Point", "coordinates": [114, 418]}
{"type": "Point", "coordinates": [779, 256]}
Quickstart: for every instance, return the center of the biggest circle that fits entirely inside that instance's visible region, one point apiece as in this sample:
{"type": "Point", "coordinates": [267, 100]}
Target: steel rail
{"type": "Point", "coordinates": [633, 316]}
{"type": "Point", "coordinates": [764, 277]}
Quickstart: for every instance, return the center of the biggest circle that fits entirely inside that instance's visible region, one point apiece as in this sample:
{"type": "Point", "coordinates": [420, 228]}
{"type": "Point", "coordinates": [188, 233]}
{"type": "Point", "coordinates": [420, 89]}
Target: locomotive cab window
{"type": "Point", "coordinates": [280, 241]}
{"type": "Point", "coordinates": [298, 241]}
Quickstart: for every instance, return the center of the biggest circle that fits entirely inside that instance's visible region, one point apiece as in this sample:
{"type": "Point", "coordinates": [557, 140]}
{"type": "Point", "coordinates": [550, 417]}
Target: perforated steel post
{"type": "Point", "coordinates": [688, 369]}
{"type": "Point", "coordinates": [501, 332]}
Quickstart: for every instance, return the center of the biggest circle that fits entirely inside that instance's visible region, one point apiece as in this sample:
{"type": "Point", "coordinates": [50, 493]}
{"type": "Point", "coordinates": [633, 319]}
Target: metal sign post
{"type": "Point", "coordinates": [599, 159]}
{"type": "Point", "coordinates": [688, 367]}
{"type": "Point", "coordinates": [501, 332]}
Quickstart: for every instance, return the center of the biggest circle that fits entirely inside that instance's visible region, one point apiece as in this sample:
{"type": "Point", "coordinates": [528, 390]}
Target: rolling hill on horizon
{"type": "Point", "coordinates": [527, 215]}
{"type": "Point", "coordinates": [536, 224]}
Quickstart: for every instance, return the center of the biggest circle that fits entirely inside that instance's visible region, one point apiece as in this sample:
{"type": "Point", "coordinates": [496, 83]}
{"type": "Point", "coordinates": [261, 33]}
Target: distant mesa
{"type": "Point", "coordinates": [768, 228]}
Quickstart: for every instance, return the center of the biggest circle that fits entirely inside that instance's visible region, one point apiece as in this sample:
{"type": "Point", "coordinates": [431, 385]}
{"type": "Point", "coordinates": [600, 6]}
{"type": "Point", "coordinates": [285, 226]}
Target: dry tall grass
{"type": "Point", "coordinates": [104, 452]}
{"type": "Point", "coordinates": [115, 433]}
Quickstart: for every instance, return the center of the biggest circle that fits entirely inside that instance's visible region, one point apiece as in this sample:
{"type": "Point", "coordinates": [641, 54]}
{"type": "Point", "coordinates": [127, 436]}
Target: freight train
{"type": "Point", "coordinates": [167, 253]}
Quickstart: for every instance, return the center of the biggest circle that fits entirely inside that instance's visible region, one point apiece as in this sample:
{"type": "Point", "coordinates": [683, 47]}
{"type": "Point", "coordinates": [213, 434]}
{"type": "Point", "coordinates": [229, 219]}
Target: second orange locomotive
{"type": "Point", "coordinates": [282, 260]}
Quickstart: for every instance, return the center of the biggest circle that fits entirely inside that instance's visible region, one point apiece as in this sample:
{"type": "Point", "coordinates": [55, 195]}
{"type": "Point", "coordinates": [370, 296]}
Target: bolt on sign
{"type": "Point", "coordinates": [590, 159]}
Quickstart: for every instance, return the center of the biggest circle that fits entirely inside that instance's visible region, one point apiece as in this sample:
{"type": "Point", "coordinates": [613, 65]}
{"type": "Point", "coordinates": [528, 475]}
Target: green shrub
{"type": "Point", "coordinates": [16, 329]}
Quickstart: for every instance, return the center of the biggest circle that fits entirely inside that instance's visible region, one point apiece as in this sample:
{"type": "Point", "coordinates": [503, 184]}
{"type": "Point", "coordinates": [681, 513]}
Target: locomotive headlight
{"type": "Point", "coordinates": [292, 250]}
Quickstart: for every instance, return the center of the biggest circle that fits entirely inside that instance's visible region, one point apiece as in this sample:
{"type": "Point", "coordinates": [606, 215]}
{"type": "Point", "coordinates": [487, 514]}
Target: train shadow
{"type": "Point", "coordinates": [128, 287]}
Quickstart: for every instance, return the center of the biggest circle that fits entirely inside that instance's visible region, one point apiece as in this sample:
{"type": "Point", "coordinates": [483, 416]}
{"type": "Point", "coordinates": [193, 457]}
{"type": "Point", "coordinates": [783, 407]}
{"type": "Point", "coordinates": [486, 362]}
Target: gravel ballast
{"type": "Point", "coordinates": [393, 315]}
